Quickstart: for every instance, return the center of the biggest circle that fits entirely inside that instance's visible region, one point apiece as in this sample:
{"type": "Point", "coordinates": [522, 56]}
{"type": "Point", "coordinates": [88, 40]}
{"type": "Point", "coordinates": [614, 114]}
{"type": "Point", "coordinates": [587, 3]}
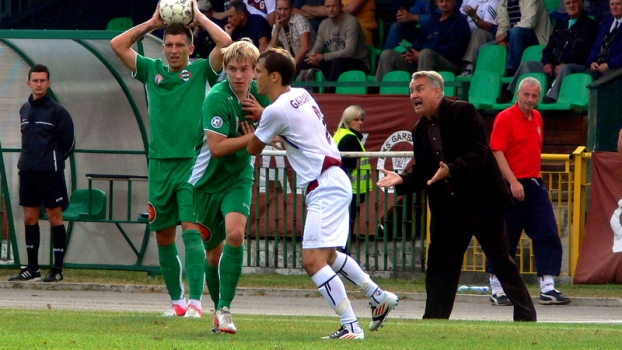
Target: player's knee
{"type": "Point", "coordinates": [235, 237]}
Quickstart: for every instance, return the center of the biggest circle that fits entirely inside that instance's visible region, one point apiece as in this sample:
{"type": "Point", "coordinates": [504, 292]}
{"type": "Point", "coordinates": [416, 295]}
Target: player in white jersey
{"type": "Point", "coordinates": [296, 118]}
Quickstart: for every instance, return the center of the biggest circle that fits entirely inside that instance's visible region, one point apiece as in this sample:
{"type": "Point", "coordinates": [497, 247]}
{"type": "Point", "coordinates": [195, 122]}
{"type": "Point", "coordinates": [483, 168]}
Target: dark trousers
{"type": "Point", "coordinates": [535, 216]}
{"type": "Point", "coordinates": [451, 232]}
{"type": "Point", "coordinates": [332, 69]}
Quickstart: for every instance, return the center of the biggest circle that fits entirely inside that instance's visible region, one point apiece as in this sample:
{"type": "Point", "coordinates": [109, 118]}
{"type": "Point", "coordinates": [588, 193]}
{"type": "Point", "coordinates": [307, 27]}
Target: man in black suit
{"type": "Point", "coordinates": [466, 194]}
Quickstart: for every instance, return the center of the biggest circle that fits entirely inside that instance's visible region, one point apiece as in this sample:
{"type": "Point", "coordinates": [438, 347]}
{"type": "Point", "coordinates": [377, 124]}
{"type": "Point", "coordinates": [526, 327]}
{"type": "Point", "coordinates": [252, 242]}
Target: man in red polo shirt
{"type": "Point", "coordinates": [516, 143]}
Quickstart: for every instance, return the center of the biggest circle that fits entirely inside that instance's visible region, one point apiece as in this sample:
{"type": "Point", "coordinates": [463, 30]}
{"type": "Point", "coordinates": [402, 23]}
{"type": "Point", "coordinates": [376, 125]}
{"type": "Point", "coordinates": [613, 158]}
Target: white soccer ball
{"type": "Point", "coordinates": [176, 11]}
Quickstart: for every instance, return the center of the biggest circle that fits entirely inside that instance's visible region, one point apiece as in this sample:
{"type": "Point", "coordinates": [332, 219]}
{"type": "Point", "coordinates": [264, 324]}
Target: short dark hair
{"type": "Point", "coordinates": [239, 7]}
{"type": "Point", "coordinates": [39, 68]}
{"type": "Point", "coordinates": [280, 61]}
{"type": "Point", "coordinates": [177, 29]}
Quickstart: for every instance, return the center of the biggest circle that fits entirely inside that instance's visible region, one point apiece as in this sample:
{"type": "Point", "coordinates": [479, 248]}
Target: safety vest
{"type": "Point", "coordinates": [361, 176]}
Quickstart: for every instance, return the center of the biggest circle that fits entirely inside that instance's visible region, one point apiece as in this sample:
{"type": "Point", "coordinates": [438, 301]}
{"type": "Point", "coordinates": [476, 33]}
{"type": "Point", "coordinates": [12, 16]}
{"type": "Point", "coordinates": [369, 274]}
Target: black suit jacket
{"type": "Point", "coordinates": [475, 179]}
{"type": "Point", "coordinates": [570, 45]}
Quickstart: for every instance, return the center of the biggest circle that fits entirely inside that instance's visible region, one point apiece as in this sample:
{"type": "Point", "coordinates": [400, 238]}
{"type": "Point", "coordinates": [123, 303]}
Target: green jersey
{"type": "Point", "coordinates": [222, 113]}
{"type": "Point", "coordinates": [174, 100]}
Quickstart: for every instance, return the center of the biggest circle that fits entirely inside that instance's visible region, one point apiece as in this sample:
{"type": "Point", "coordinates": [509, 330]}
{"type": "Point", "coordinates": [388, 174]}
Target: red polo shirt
{"type": "Point", "coordinates": [520, 140]}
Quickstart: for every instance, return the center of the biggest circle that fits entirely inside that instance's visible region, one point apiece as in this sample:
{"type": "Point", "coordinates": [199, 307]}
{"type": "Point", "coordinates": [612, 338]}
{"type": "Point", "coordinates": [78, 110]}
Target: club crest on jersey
{"type": "Point", "coordinates": [185, 75]}
{"type": "Point", "coordinates": [158, 79]}
{"type": "Point", "coordinates": [217, 122]}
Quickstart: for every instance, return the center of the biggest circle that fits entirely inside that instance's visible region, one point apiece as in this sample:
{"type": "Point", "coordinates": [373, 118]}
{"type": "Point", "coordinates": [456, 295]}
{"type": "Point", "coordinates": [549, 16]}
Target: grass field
{"type": "Point", "coordinates": [57, 329]}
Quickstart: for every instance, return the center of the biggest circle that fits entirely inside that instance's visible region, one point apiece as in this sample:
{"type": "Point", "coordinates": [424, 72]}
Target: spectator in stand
{"type": "Point", "coordinates": [520, 24]}
{"type": "Point", "coordinates": [567, 50]}
{"type": "Point", "coordinates": [293, 32]}
{"type": "Point", "coordinates": [482, 17]}
{"type": "Point", "coordinates": [313, 10]}
{"type": "Point", "coordinates": [365, 12]}
{"type": "Point", "coordinates": [342, 35]}
{"type": "Point", "coordinates": [215, 10]}
{"type": "Point", "coordinates": [242, 24]}
{"type": "Point", "coordinates": [606, 53]}
{"type": "Point", "coordinates": [440, 46]}
{"type": "Point", "coordinates": [263, 8]}
{"type": "Point", "coordinates": [408, 23]}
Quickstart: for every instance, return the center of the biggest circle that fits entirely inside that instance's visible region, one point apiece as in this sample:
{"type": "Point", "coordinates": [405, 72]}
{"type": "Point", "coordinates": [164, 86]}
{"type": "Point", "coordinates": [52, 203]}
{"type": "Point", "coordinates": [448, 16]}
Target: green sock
{"type": "Point", "coordinates": [170, 265]}
{"type": "Point", "coordinates": [195, 263]}
{"type": "Point", "coordinates": [213, 283]}
{"type": "Point", "coordinates": [230, 270]}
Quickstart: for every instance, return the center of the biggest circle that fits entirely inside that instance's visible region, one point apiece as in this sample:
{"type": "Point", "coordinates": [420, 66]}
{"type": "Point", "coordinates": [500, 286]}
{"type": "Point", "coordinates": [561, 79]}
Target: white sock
{"type": "Point", "coordinates": [350, 270]}
{"type": "Point", "coordinates": [547, 283]}
{"type": "Point", "coordinates": [495, 285]}
{"type": "Point", "coordinates": [332, 289]}
{"type": "Point", "coordinates": [195, 303]}
{"type": "Point", "coordinates": [180, 302]}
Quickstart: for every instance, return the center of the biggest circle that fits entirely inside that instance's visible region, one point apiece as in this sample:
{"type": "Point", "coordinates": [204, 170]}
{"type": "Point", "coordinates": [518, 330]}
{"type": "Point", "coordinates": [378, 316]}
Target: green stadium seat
{"type": "Point", "coordinates": [543, 82]}
{"type": "Point", "coordinates": [485, 89]}
{"type": "Point", "coordinates": [449, 91]}
{"type": "Point", "coordinates": [120, 23]}
{"type": "Point", "coordinates": [78, 209]}
{"type": "Point", "coordinates": [373, 59]}
{"type": "Point", "coordinates": [532, 53]}
{"type": "Point", "coordinates": [551, 5]}
{"type": "Point", "coordinates": [573, 94]}
{"type": "Point", "coordinates": [352, 76]}
{"type": "Point", "coordinates": [491, 58]}
{"type": "Point", "coordinates": [396, 75]}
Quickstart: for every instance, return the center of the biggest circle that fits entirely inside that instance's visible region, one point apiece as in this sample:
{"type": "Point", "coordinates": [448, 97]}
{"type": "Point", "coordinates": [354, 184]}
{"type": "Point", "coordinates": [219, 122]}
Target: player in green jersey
{"type": "Point", "coordinates": [176, 89]}
{"type": "Point", "coordinates": [223, 176]}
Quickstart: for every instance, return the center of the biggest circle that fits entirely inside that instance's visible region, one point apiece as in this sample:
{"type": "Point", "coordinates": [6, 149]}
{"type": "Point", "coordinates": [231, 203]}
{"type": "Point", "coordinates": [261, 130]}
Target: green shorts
{"type": "Point", "coordinates": [211, 209]}
{"type": "Point", "coordinates": [170, 194]}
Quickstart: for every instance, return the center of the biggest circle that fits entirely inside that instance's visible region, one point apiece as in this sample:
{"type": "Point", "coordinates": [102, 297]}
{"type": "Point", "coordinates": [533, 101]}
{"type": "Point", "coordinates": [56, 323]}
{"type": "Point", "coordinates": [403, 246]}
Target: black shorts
{"type": "Point", "coordinates": [47, 187]}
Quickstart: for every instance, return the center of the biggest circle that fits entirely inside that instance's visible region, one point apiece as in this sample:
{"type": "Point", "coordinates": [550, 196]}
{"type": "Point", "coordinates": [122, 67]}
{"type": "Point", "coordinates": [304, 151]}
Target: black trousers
{"type": "Point", "coordinates": [451, 232]}
{"type": "Point", "coordinates": [332, 69]}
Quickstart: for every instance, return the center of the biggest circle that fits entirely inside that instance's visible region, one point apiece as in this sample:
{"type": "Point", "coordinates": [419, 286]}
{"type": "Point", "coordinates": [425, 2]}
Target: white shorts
{"type": "Point", "coordinates": [327, 222]}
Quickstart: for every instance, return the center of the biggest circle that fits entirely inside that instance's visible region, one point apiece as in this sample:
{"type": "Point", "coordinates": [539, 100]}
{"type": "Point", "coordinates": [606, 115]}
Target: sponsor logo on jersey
{"type": "Point", "coordinates": [216, 122]}
{"type": "Point", "coordinates": [185, 75]}
{"type": "Point", "coordinates": [158, 79]}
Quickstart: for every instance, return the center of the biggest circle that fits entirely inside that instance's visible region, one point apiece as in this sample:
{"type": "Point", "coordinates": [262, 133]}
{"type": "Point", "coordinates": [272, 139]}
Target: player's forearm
{"type": "Point", "coordinates": [230, 145]}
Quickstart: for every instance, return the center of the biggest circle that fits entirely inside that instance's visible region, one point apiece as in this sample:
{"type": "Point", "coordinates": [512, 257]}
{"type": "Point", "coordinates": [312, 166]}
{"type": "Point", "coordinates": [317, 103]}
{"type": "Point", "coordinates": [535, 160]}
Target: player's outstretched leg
{"type": "Point", "coordinates": [333, 290]}
{"type": "Point", "coordinates": [195, 271]}
{"type": "Point", "coordinates": [380, 301]}
{"type": "Point", "coordinates": [230, 270]}
{"type": "Point", "coordinates": [170, 266]}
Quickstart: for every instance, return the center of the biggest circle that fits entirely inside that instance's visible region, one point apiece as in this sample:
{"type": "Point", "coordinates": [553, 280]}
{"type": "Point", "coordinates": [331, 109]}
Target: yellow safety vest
{"type": "Point", "coordinates": [361, 176]}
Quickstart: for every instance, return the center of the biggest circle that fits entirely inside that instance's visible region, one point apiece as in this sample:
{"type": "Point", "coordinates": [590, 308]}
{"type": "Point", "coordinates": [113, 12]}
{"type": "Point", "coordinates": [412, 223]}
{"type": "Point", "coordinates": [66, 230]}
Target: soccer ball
{"type": "Point", "coordinates": [176, 11]}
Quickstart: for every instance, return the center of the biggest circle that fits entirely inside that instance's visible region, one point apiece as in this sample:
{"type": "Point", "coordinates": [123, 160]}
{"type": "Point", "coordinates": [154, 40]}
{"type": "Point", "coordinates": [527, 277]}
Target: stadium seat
{"type": "Point", "coordinates": [352, 76]}
{"type": "Point", "coordinates": [120, 23]}
{"type": "Point", "coordinates": [485, 89]}
{"type": "Point", "coordinates": [373, 59]}
{"type": "Point", "coordinates": [78, 209]}
{"type": "Point", "coordinates": [491, 58]}
{"type": "Point", "coordinates": [573, 94]}
{"type": "Point", "coordinates": [543, 82]}
{"type": "Point", "coordinates": [551, 5]}
{"type": "Point", "coordinates": [396, 75]}
{"type": "Point", "coordinates": [449, 91]}
{"type": "Point", "coordinates": [532, 53]}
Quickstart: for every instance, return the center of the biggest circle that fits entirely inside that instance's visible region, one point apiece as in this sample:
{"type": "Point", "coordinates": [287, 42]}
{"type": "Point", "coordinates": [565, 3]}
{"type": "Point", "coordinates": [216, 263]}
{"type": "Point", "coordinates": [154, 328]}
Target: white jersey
{"type": "Point", "coordinates": [297, 119]}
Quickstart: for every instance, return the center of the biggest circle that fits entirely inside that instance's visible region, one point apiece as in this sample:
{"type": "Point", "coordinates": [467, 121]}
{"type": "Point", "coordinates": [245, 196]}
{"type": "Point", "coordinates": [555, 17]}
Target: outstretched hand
{"type": "Point", "coordinates": [390, 178]}
{"type": "Point", "coordinates": [441, 173]}
{"type": "Point", "coordinates": [246, 128]}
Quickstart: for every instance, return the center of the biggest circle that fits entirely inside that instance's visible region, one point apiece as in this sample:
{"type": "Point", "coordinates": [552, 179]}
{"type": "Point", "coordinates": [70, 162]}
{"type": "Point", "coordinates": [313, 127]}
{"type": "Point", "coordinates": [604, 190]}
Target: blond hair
{"type": "Point", "coordinates": [242, 51]}
{"type": "Point", "coordinates": [349, 114]}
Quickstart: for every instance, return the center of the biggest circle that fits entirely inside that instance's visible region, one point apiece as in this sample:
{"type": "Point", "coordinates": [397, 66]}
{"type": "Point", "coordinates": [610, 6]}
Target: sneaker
{"type": "Point", "coordinates": [500, 299]}
{"type": "Point", "coordinates": [223, 321]}
{"type": "Point", "coordinates": [348, 331]}
{"type": "Point", "coordinates": [55, 275]}
{"type": "Point", "coordinates": [193, 311]}
{"type": "Point", "coordinates": [380, 312]}
{"type": "Point", "coordinates": [174, 311]}
{"type": "Point", "coordinates": [27, 275]}
{"type": "Point", "coordinates": [553, 297]}
{"type": "Point", "coordinates": [466, 73]}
